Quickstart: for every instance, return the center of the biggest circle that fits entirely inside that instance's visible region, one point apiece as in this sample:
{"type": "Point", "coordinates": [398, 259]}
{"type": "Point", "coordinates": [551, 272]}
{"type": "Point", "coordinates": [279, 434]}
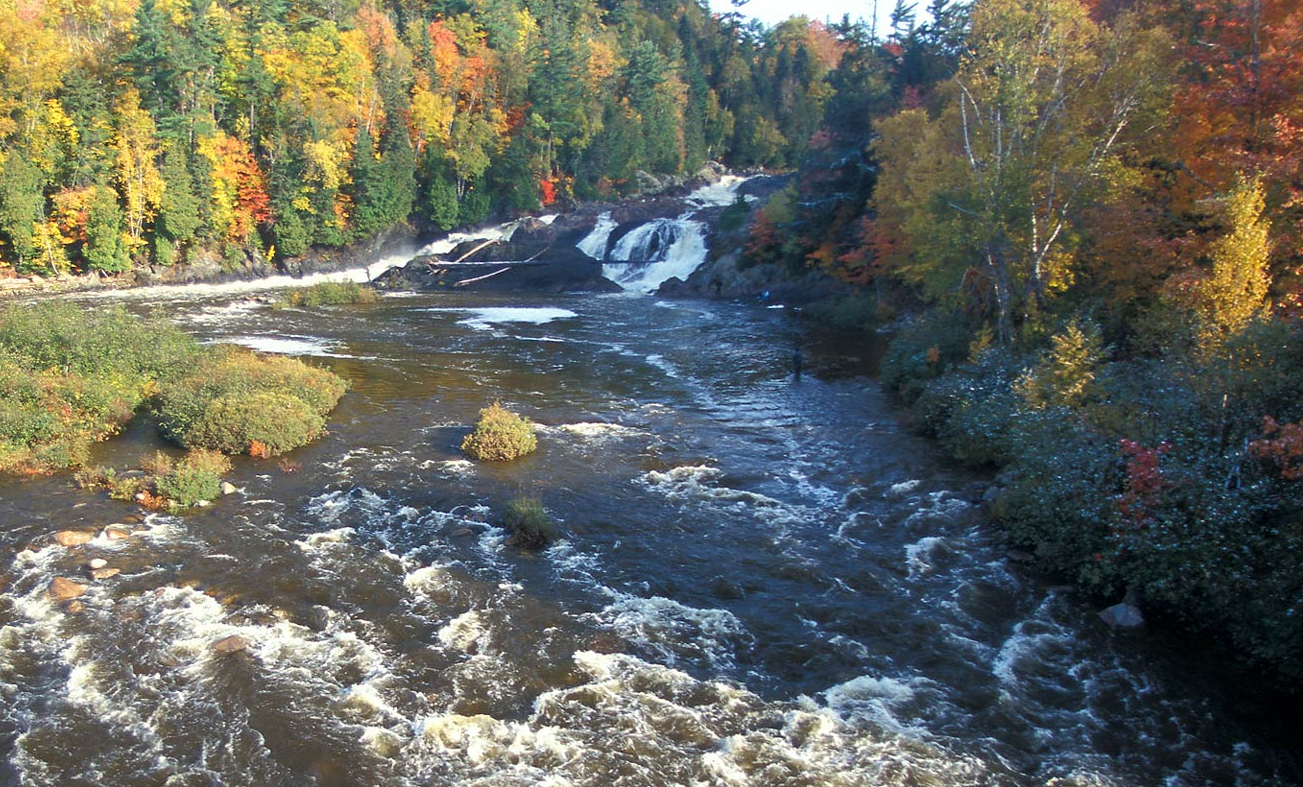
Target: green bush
{"type": "Point", "coordinates": [240, 402]}
{"type": "Point", "coordinates": [500, 435]}
{"type": "Point", "coordinates": [859, 312]}
{"type": "Point", "coordinates": [94, 343]}
{"type": "Point", "coordinates": [328, 293]}
{"type": "Point", "coordinates": [973, 410]}
{"type": "Point", "coordinates": [923, 350]}
{"type": "Point", "coordinates": [70, 377]}
{"type": "Point", "coordinates": [194, 479]}
{"type": "Point", "coordinates": [526, 520]}
{"type": "Point", "coordinates": [262, 424]}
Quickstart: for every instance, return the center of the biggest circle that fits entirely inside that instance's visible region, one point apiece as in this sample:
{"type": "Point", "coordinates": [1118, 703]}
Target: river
{"type": "Point", "coordinates": [759, 581]}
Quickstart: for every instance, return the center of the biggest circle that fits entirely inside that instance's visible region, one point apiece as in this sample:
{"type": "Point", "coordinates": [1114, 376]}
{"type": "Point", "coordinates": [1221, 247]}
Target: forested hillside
{"type": "Point", "coordinates": [1085, 219]}
{"type": "Point", "coordinates": [139, 131]}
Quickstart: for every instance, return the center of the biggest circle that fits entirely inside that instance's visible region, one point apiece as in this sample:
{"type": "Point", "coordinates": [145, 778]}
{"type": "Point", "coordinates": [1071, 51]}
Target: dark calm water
{"type": "Point", "coordinates": [760, 582]}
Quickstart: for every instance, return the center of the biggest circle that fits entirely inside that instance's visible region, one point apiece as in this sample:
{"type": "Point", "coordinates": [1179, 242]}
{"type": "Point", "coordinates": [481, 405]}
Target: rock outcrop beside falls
{"type": "Point", "coordinates": [543, 256]}
{"type": "Point", "coordinates": [726, 274]}
{"type": "Point", "coordinates": [557, 269]}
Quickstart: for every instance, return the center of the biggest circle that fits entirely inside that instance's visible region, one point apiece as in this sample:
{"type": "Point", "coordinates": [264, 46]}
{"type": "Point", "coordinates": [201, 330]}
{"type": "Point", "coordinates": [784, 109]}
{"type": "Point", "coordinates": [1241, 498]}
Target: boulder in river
{"type": "Point", "coordinates": [62, 589]}
{"type": "Point", "coordinates": [73, 538]}
{"type": "Point", "coordinates": [104, 573]}
{"type": "Point", "coordinates": [1122, 616]}
{"type": "Point", "coordinates": [228, 488]}
{"type": "Point", "coordinates": [98, 562]}
{"type": "Point", "coordinates": [232, 644]}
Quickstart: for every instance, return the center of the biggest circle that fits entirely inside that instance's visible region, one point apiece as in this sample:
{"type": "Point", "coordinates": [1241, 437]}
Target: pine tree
{"type": "Point", "coordinates": [178, 217]}
{"type": "Point", "coordinates": [104, 250]}
{"type": "Point", "coordinates": [20, 207]}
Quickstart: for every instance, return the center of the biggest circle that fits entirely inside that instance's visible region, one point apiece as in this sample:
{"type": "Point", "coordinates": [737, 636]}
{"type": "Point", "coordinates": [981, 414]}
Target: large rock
{"type": "Point", "coordinates": [232, 644]}
{"type": "Point", "coordinates": [560, 269]}
{"type": "Point", "coordinates": [62, 589]}
{"type": "Point", "coordinates": [1122, 616]}
{"type": "Point", "coordinates": [73, 538]}
{"type": "Point", "coordinates": [104, 573]}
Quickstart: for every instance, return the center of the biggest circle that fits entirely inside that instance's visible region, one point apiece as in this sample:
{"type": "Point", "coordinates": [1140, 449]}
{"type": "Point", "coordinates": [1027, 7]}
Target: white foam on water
{"type": "Point", "coordinates": [340, 535]}
{"type": "Point", "coordinates": [366, 700]}
{"type": "Point", "coordinates": [382, 741]}
{"type": "Point", "coordinates": [881, 700]}
{"type": "Point", "coordinates": [700, 483]}
{"type": "Point", "coordinates": [664, 249]}
{"type": "Point", "coordinates": [599, 433]}
{"type": "Point", "coordinates": [451, 241]}
{"type": "Point", "coordinates": [571, 565]}
{"type": "Point", "coordinates": [456, 467]}
{"type": "Point", "coordinates": [675, 632]}
{"type": "Point", "coordinates": [164, 292]}
{"type": "Point", "coordinates": [464, 631]}
{"type": "Point", "coordinates": [288, 345]}
{"type": "Point", "coordinates": [677, 259]}
{"type": "Point", "coordinates": [919, 555]}
{"type": "Point", "coordinates": [486, 318]}
{"type": "Point", "coordinates": [904, 487]}
{"type": "Point", "coordinates": [659, 362]}
{"type": "Point", "coordinates": [223, 313]}
{"type": "Point", "coordinates": [721, 193]}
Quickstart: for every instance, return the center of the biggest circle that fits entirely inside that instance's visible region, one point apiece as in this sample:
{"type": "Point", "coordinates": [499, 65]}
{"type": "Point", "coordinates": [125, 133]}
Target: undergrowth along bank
{"type": "Point", "coordinates": [1175, 473]}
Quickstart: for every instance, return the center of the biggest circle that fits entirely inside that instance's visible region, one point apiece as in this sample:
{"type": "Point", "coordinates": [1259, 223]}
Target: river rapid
{"type": "Point", "coordinates": [760, 581]}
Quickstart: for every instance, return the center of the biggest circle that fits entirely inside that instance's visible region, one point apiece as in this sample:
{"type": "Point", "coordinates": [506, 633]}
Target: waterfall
{"type": "Point", "coordinates": [594, 245]}
{"type": "Point", "coordinates": [659, 250]}
{"type": "Point", "coordinates": [662, 249]}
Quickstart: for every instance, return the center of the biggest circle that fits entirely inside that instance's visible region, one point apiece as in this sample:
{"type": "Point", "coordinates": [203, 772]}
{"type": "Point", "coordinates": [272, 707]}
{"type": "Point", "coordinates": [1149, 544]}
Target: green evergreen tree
{"type": "Point", "coordinates": [21, 202]}
{"type": "Point", "coordinates": [178, 216]}
{"type": "Point", "coordinates": [440, 202]}
{"type": "Point", "coordinates": [104, 250]}
{"type": "Point", "coordinates": [152, 63]}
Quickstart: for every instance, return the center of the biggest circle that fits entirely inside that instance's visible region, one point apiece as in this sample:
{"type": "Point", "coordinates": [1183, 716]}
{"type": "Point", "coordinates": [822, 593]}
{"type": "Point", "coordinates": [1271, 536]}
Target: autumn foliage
{"type": "Point", "coordinates": [156, 132]}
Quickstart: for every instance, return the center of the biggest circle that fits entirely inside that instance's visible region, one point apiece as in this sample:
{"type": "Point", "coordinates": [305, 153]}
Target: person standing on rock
{"type": "Point", "coordinates": [797, 360]}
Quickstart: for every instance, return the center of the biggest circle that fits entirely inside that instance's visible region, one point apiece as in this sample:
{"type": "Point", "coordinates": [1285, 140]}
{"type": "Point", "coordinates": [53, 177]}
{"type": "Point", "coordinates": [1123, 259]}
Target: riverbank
{"type": "Point", "coordinates": [1150, 482]}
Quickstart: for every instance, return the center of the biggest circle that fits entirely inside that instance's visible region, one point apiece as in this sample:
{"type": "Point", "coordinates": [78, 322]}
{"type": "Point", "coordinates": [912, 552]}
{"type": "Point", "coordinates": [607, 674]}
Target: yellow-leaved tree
{"type": "Point", "coordinates": [1234, 291]}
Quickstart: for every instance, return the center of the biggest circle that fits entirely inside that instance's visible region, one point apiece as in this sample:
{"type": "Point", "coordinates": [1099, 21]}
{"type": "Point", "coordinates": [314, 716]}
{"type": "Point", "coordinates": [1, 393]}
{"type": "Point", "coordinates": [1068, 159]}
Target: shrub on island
{"type": "Point", "coordinates": [500, 435]}
{"type": "Point", "coordinates": [70, 377]}
{"type": "Point", "coordinates": [528, 522]}
{"type": "Point", "coordinates": [328, 293]}
{"type": "Point", "coordinates": [196, 478]}
{"type": "Point", "coordinates": [240, 402]}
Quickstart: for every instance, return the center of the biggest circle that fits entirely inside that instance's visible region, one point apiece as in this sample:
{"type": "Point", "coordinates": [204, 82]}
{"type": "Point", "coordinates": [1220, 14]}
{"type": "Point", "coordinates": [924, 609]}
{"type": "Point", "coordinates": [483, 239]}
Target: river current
{"type": "Point", "coordinates": [759, 581]}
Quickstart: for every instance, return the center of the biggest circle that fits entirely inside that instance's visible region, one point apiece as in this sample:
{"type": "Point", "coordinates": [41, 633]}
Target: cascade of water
{"type": "Point", "coordinates": [595, 243]}
{"type": "Point", "coordinates": [661, 249]}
